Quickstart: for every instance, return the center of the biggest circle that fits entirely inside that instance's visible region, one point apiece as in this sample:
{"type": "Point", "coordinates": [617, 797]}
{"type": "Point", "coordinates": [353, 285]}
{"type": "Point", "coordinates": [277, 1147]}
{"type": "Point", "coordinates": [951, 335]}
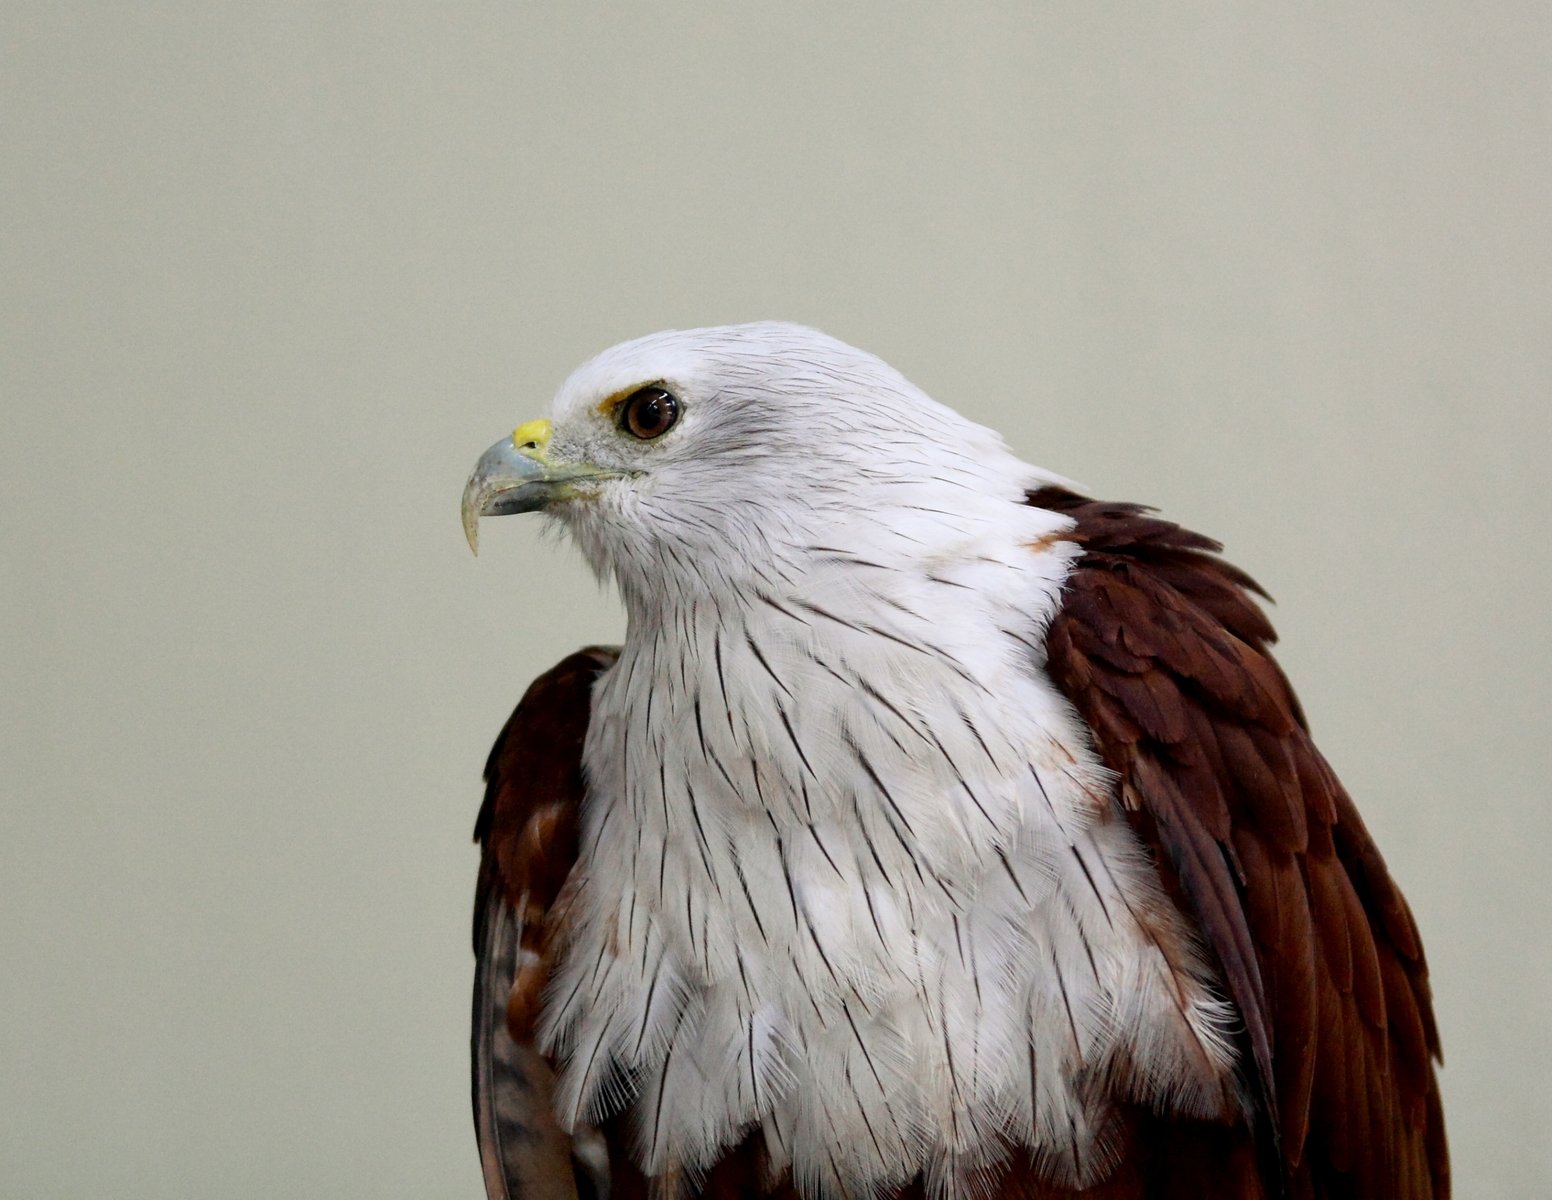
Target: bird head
{"type": "Point", "coordinates": [694, 459]}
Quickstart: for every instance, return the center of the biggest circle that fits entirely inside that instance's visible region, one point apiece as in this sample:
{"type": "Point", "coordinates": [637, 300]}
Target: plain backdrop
{"type": "Point", "coordinates": [273, 275]}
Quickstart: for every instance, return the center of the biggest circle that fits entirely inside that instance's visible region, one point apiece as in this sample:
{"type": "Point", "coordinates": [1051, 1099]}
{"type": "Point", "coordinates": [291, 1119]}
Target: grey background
{"type": "Point", "coordinates": [273, 275]}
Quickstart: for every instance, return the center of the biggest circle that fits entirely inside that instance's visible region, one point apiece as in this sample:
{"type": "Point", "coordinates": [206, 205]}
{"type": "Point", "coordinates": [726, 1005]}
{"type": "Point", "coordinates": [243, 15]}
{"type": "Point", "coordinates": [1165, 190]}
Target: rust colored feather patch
{"type": "Point", "coordinates": [1161, 647]}
{"type": "Point", "coordinates": [527, 830]}
{"type": "Point", "coordinates": [1164, 652]}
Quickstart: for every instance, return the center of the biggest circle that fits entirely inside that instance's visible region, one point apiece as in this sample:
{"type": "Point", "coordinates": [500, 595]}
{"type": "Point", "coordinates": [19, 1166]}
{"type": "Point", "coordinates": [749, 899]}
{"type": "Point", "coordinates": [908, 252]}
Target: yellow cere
{"type": "Point", "coordinates": [533, 433]}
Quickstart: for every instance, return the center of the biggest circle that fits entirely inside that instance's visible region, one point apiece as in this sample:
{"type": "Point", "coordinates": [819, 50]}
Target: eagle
{"type": "Point", "coordinates": [936, 832]}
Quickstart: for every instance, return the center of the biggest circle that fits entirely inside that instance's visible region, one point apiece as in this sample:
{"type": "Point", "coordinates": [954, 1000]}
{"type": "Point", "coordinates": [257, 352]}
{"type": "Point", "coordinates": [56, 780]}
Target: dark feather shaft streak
{"type": "Point", "coordinates": [1162, 650]}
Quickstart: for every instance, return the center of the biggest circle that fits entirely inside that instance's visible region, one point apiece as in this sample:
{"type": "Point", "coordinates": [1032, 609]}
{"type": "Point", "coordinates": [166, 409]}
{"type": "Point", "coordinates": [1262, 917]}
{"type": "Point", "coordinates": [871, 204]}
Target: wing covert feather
{"type": "Point", "coordinates": [527, 831]}
{"type": "Point", "coordinates": [1162, 649]}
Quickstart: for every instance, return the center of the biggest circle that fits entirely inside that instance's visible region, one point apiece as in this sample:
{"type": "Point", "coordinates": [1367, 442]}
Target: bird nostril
{"type": "Point", "coordinates": [532, 436]}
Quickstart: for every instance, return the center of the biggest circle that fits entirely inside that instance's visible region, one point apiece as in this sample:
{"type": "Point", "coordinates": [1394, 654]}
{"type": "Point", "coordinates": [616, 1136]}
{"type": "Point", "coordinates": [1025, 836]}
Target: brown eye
{"type": "Point", "coordinates": [649, 413]}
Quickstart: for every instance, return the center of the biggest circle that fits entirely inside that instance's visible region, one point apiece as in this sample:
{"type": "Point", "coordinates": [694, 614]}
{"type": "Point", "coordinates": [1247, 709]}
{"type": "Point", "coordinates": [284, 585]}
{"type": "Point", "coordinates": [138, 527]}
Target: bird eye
{"type": "Point", "coordinates": [649, 413]}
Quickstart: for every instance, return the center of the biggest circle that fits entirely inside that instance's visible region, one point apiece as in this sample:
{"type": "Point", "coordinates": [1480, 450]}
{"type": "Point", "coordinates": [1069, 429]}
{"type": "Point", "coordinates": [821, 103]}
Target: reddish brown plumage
{"type": "Point", "coordinates": [527, 830]}
{"type": "Point", "coordinates": [1162, 650]}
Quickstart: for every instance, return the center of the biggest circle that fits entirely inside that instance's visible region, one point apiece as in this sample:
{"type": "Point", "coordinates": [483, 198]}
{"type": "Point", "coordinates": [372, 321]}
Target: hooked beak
{"type": "Point", "coordinates": [517, 475]}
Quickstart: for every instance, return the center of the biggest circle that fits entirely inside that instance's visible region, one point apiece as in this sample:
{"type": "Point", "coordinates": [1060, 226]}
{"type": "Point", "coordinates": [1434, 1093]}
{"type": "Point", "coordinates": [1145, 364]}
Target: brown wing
{"type": "Point", "coordinates": [527, 830]}
{"type": "Point", "coordinates": [1164, 653]}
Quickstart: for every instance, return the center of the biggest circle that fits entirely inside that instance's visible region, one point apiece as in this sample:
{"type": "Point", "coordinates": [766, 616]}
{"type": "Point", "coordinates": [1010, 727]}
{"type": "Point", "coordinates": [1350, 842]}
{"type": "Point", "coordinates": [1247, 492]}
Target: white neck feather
{"type": "Point", "coordinates": [852, 874]}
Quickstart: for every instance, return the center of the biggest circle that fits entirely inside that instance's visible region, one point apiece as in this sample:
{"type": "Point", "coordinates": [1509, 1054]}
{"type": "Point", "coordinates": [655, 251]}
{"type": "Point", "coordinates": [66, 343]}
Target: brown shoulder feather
{"type": "Point", "coordinates": [1164, 652]}
{"type": "Point", "coordinates": [527, 831]}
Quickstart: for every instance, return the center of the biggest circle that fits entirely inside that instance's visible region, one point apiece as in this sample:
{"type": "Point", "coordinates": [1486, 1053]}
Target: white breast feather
{"type": "Point", "coordinates": [854, 876]}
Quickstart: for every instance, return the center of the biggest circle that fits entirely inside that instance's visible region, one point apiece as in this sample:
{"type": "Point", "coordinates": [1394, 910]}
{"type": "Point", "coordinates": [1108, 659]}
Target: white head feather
{"type": "Point", "coordinates": [848, 865]}
{"type": "Point", "coordinates": [787, 438]}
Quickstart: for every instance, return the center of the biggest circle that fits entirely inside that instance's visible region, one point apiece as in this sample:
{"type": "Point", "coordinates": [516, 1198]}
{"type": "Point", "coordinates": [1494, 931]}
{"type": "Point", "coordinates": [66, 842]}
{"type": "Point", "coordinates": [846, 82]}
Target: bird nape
{"type": "Point", "coordinates": [936, 831]}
